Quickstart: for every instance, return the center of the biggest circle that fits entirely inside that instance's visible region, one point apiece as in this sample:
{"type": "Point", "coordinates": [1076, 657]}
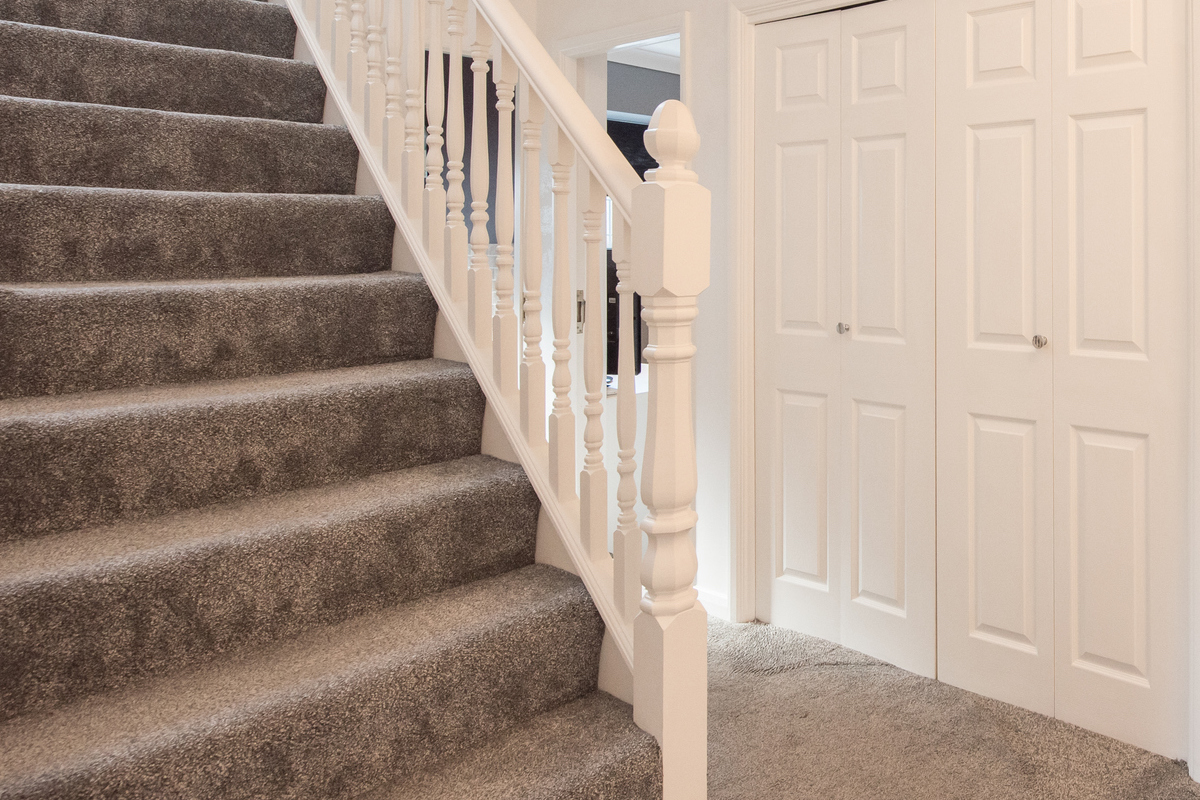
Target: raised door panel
{"type": "Point", "coordinates": [888, 305]}
{"type": "Point", "coordinates": [994, 388]}
{"type": "Point", "coordinates": [1120, 371]}
{"type": "Point", "coordinates": [798, 164]}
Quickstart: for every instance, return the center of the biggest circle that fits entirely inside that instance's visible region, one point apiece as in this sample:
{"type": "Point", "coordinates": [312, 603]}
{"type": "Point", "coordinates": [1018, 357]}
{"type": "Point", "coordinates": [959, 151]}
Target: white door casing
{"type": "Point", "coordinates": [1120, 351]}
{"type": "Point", "coordinates": [845, 328]}
{"type": "Point", "coordinates": [995, 409]}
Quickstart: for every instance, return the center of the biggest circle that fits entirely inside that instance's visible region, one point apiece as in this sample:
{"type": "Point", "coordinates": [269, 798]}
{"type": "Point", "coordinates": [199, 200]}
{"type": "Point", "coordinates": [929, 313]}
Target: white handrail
{"type": "Point", "coordinates": [563, 103]}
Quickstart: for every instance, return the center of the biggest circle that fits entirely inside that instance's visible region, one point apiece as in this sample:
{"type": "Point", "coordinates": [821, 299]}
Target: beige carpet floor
{"type": "Point", "coordinates": [793, 717]}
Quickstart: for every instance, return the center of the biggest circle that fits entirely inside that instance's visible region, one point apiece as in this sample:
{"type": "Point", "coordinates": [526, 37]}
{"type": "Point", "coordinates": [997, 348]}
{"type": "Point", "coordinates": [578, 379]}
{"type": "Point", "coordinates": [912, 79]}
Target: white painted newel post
{"type": "Point", "coordinates": [671, 225]}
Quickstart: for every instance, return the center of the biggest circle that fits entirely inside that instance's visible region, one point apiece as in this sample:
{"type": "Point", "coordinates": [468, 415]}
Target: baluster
{"type": "Point", "coordinates": [356, 63]}
{"type": "Point", "coordinates": [504, 323]}
{"type": "Point", "coordinates": [324, 24]}
{"type": "Point", "coordinates": [479, 276]}
{"type": "Point", "coordinates": [562, 418]}
{"type": "Point", "coordinates": [434, 210]}
{"type": "Point", "coordinates": [375, 96]}
{"type": "Point", "coordinates": [413, 179]}
{"type": "Point", "coordinates": [593, 480]}
{"type": "Point", "coordinates": [455, 246]}
{"type": "Point", "coordinates": [533, 368]}
{"type": "Point", "coordinates": [670, 267]}
{"type": "Point", "coordinates": [340, 50]}
{"type": "Point", "coordinates": [392, 133]}
{"type": "Point", "coordinates": [627, 540]}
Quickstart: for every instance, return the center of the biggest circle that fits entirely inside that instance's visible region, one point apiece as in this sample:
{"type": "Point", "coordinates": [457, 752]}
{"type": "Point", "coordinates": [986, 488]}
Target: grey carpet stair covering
{"type": "Point", "coordinates": [248, 544]}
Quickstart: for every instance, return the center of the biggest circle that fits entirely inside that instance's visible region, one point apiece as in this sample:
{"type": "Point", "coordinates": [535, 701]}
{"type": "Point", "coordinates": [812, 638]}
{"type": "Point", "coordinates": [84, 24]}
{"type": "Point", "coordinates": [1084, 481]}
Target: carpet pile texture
{"type": "Point", "coordinates": [793, 717]}
{"type": "Point", "coordinates": [249, 546]}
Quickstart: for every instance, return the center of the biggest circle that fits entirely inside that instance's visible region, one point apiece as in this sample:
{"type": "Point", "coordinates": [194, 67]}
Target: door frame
{"type": "Point", "coordinates": [742, 20]}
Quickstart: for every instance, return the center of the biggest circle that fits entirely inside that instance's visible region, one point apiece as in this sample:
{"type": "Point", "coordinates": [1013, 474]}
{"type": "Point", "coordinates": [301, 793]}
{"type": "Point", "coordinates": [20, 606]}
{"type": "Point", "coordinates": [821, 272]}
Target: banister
{"type": "Point", "coordinates": [563, 103]}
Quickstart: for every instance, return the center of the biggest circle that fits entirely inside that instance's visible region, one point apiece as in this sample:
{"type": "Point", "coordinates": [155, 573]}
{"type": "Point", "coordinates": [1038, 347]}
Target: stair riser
{"type": "Point", "coordinates": [84, 339]}
{"type": "Point", "coordinates": [54, 64]}
{"type": "Point", "coordinates": [76, 633]}
{"type": "Point", "coordinates": [75, 470]}
{"type": "Point", "coordinates": [336, 740]}
{"type": "Point", "coordinates": [77, 234]}
{"type": "Point", "coordinates": [247, 27]}
{"type": "Point", "coordinates": [67, 144]}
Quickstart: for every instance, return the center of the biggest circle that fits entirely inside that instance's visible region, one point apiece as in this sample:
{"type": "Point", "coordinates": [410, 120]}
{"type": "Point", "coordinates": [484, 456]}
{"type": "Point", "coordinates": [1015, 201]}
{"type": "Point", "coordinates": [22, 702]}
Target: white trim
{"type": "Point", "coordinates": [598, 42]}
{"type": "Point", "coordinates": [760, 11]}
{"type": "Point", "coordinates": [1193, 100]}
{"type": "Point", "coordinates": [646, 59]}
{"type": "Point", "coordinates": [742, 579]}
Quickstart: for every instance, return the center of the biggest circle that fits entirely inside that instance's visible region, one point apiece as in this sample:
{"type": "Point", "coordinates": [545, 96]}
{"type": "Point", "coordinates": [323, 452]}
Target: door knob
{"type": "Point", "coordinates": [843, 327]}
{"type": "Point", "coordinates": [1040, 341]}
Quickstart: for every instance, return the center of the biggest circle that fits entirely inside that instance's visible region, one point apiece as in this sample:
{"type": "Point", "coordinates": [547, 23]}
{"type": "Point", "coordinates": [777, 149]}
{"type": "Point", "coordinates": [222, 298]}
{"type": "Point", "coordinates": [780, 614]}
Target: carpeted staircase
{"type": "Point", "coordinates": [248, 544]}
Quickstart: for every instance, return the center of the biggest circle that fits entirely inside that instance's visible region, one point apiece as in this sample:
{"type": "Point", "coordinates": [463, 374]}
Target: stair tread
{"type": "Point", "coordinates": [69, 233]}
{"type": "Point", "coordinates": [164, 713]}
{"type": "Point", "coordinates": [233, 25]}
{"type": "Point", "coordinates": [57, 142]}
{"type": "Point", "coordinates": [100, 548]}
{"type": "Point", "coordinates": [214, 394]}
{"type": "Point", "coordinates": [589, 748]}
{"type": "Point", "coordinates": [52, 63]}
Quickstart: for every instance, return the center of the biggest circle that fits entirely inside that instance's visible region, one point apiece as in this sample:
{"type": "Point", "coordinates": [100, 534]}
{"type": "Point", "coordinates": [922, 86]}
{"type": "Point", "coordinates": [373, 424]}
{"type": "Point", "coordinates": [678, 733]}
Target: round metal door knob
{"type": "Point", "coordinates": [843, 327]}
{"type": "Point", "coordinates": [1040, 341]}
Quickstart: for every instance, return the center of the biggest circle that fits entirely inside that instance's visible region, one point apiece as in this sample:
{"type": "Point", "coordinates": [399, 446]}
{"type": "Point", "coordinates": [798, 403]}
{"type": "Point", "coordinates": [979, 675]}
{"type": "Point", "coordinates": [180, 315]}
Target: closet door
{"type": "Point", "coordinates": [994, 387]}
{"type": "Point", "coordinates": [887, 304]}
{"type": "Point", "coordinates": [1121, 368]}
{"type": "Point", "coordinates": [797, 299]}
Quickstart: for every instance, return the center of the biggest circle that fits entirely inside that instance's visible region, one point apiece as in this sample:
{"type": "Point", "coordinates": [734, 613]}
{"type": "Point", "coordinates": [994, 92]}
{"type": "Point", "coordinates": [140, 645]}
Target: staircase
{"type": "Point", "coordinates": [248, 544]}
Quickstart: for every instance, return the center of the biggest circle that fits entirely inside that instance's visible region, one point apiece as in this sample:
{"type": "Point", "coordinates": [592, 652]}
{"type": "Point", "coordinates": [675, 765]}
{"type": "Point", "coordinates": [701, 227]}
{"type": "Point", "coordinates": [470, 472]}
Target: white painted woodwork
{"type": "Point", "coordinates": [593, 479]}
{"type": "Point", "coordinates": [412, 187]}
{"type": "Point", "coordinates": [375, 93]}
{"type": "Point", "coordinates": [671, 267]}
{"type": "Point", "coordinates": [561, 434]}
{"type": "Point", "coordinates": [356, 59]}
{"type": "Point", "coordinates": [995, 409]}
{"type": "Point", "coordinates": [1120, 369]}
{"type": "Point", "coordinates": [434, 198]}
{"type": "Point", "coordinates": [627, 538]}
{"type": "Point", "coordinates": [455, 246]}
{"type": "Point", "coordinates": [845, 432]}
{"type": "Point", "coordinates": [340, 51]}
{"type": "Point", "coordinates": [533, 368]}
{"type": "Point", "coordinates": [479, 275]}
{"type": "Point", "coordinates": [392, 125]}
{"type": "Point", "coordinates": [504, 323]}
{"type": "Point", "coordinates": [323, 23]}
{"type": "Point", "coordinates": [397, 123]}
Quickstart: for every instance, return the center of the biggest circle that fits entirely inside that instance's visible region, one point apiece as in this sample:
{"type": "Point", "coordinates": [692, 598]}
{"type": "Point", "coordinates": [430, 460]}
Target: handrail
{"type": "Point", "coordinates": [563, 103]}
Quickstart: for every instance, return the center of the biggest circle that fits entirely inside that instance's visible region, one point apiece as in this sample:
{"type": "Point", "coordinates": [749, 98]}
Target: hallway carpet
{"type": "Point", "coordinates": [794, 717]}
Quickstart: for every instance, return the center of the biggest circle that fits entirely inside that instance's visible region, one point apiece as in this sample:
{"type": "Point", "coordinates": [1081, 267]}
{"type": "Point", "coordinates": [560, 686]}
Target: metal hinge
{"type": "Point", "coordinates": [580, 310]}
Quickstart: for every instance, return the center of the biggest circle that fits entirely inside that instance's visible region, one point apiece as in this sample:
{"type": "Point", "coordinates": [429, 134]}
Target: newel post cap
{"type": "Point", "coordinates": [672, 212]}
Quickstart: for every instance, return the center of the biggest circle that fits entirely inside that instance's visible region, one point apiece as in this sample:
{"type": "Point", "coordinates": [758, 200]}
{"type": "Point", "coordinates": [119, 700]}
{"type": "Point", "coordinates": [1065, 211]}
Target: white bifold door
{"type": "Point", "coordinates": [844, 337]}
{"type": "Point", "coordinates": [1063, 359]}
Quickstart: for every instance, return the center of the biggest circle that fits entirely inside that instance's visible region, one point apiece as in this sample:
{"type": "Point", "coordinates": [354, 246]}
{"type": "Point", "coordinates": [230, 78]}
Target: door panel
{"type": "Point", "coordinates": [1120, 369]}
{"type": "Point", "coordinates": [798, 296]}
{"type": "Point", "coordinates": [888, 354]}
{"type": "Point", "coordinates": [994, 388]}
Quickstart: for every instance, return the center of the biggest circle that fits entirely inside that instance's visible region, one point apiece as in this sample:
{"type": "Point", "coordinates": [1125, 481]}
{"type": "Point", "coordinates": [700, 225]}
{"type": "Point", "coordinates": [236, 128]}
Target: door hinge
{"type": "Point", "coordinates": [580, 310]}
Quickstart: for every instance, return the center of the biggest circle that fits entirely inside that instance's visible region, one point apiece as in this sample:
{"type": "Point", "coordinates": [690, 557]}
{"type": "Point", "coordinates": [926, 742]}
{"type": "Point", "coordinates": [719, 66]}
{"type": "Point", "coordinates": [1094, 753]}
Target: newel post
{"type": "Point", "coordinates": [671, 220]}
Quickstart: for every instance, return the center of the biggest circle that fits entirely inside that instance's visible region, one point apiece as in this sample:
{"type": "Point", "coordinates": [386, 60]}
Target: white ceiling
{"type": "Point", "coordinates": [661, 54]}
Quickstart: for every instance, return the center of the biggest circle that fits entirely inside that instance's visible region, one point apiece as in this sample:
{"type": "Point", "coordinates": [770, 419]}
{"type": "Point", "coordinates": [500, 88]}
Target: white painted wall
{"type": "Point", "coordinates": [558, 20]}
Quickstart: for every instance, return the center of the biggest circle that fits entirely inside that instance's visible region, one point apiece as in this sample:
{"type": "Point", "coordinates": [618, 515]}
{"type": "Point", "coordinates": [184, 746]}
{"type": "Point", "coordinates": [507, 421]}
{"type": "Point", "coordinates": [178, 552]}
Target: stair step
{"type": "Point", "coordinates": [585, 750]}
{"type": "Point", "coordinates": [51, 142]}
{"type": "Point", "coordinates": [331, 714]}
{"type": "Point", "coordinates": [64, 338]}
{"type": "Point", "coordinates": [58, 64]}
{"type": "Point", "coordinates": [89, 459]}
{"type": "Point", "coordinates": [69, 233]}
{"type": "Point", "coordinates": [98, 609]}
{"type": "Point", "coordinates": [242, 26]}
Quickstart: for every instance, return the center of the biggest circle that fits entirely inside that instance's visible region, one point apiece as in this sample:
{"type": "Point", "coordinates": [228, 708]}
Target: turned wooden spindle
{"type": "Point", "coordinates": [593, 479]}
{"type": "Point", "coordinates": [356, 60]}
{"type": "Point", "coordinates": [627, 538]}
{"type": "Point", "coordinates": [479, 274]}
{"type": "Point", "coordinates": [375, 91]}
{"type": "Point", "coordinates": [392, 132]}
{"type": "Point", "coordinates": [433, 210]}
{"type": "Point", "coordinates": [455, 245]}
{"type": "Point", "coordinates": [412, 190]}
{"type": "Point", "coordinates": [562, 417]}
{"type": "Point", "coordinates": [504, 323]}
{"type": "Point", "coordinates": [340, 47]}
{"type": "Point", "coordinates": [533, 368]}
